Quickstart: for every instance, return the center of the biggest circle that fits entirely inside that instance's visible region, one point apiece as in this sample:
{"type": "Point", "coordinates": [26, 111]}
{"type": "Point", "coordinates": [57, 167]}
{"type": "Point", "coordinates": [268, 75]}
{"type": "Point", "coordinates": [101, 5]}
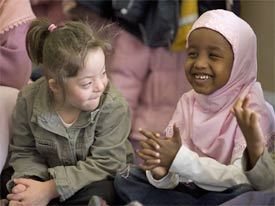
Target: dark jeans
{"type": "Point", "coordinates": [254, 198]}
{"type": "Point", "coordinates": [132, 184]}
{"type": "Point", "coordinates": [104, 189]}
{"type": "Point", "coordinates": [4, 178]}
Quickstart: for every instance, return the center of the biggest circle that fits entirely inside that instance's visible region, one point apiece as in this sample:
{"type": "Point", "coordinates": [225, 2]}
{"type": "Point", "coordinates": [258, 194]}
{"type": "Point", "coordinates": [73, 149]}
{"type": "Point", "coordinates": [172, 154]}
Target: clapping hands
{"type": "Point", "coordinates": [159, 152]}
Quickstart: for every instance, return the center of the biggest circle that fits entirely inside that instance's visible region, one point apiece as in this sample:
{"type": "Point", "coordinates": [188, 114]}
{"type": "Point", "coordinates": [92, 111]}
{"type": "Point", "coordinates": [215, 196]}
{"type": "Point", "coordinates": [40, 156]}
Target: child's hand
{"type": "Point", "coordinates": [149, 152]}
{"type": "Point", "coordinates": [169, 147]}
{"type": "Point", "coordinates": [159, 152]}
{"type": "Point", "coordinates": [248, 121]}
{"type": "Point", "coordinates": [35, 193]}
{"type": "Point", "coordinates": [150, 155]}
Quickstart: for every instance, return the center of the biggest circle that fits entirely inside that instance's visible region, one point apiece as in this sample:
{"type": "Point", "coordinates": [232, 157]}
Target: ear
{"type": "Point", "coordinates": [54, 87]}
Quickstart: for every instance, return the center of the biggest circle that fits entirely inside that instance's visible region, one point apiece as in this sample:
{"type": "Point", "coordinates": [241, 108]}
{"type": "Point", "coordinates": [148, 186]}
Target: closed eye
{"type": "Point", "coordinates": [214, 56]}
{"type": "Point", "coordinates": [192, 54]}
{"type": "Point", "coordinates": [103, 74]}
{"type": "Point", "coordinates": [86, 85]}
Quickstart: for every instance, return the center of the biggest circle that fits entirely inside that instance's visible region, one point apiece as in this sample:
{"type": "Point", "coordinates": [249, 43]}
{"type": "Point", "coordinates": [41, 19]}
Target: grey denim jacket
{"type": "Point", "coordinates": [92, 149]}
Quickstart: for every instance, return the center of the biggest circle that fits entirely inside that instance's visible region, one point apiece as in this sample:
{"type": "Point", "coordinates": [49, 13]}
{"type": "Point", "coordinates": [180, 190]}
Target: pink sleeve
{"type": "Point", "coordinates": [15, 67]}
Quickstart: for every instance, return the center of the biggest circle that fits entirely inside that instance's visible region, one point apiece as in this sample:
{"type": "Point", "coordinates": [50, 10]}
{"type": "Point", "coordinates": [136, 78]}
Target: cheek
{"type": "Point", "coordinates": [227, 73]}
{"type": "Point", "coordinates": [105, 80]}
{"type": "Point", "coordinates": [187, 68]}
{"type": "Point", "coordinates": [79, 95]}
{"type": "Point", "coordinates": [188, 65]}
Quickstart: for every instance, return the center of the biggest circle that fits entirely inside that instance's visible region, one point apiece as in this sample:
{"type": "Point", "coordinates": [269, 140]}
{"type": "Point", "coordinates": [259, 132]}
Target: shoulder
{"type": "Point", "coordinates": [187, 97]}
{"type": "Point", "coordinates": [112, 98]}
{"type": "Point", "coordinates": [33, 91]}
{"type": "Point", "coordinates": [113, 109]}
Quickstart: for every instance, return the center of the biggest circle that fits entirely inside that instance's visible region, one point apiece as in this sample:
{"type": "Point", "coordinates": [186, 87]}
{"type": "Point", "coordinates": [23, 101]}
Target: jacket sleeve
{"type": "Point", "coordinates": [25, 159]}
{"type": "Point", "coordinates": [107, 154]}
{"type": "Point", "coordinates": [262, 175]}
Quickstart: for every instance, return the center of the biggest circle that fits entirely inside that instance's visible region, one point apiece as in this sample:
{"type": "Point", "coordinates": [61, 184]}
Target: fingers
{"type": "Point", "coordinates": [237, 107]}
{"type": "Point", "coordinates": [23, 181]}
{"type": "Point", "coordinates": [146, 154]}
{"type": "Point", "coordinates": [146, 167]}
{"type": "Point", "coordinates": [15, 197]}
{"type": "Point", "coordinates": [150, 164]}
{"type": "Point", "coordinates": [15, 203]}
{"type": "Point", "coordinates": [18, 188]}
{"type": "Point", "coordinates": [241, 110]}
{"type": "Point", "coordinates": [240, 105]}
{"type": "Point", "coordinates": [149, 144]}
{"type": "Point", "coordinates": [150, 135]}
{"type": "Point", "coordinates": [245, 101]}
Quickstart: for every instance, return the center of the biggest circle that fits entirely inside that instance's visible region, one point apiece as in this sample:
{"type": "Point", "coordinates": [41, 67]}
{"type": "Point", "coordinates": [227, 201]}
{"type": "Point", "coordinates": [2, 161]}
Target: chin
{"type": "Point", "coordinates": [203, 92]}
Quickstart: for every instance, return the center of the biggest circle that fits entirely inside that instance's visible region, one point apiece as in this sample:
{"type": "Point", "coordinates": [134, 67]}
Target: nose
{"type": "Point", "coordinates": [201, 62]}
{"type": "Point", "coordinates": [99, 85]}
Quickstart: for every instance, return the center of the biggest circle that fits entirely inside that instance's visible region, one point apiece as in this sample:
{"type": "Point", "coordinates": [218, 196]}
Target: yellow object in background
{"type": "Point", "coordinates": [188, 15]}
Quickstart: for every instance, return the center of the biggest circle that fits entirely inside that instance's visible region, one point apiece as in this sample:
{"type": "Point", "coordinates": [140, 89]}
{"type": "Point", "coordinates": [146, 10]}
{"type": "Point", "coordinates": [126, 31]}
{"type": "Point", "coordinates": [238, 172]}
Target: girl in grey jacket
{"type": "Point", "coordinates": [71, 127]}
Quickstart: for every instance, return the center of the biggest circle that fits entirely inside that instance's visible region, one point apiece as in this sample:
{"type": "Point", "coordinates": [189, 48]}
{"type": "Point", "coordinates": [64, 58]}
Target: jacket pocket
{"type": "Point", "coordinates": [46, 148]}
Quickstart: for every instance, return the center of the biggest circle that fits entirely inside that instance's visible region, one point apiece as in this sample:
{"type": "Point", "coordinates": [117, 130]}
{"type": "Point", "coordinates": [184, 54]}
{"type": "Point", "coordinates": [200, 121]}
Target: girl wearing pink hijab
{"type": "Point", "coordinates": [199, 160]}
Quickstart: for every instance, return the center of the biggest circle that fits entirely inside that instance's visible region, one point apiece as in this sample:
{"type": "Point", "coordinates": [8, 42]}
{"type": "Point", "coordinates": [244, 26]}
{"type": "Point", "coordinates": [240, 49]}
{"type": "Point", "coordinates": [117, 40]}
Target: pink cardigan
{"type": "Point", "coordinates": [15, 67]}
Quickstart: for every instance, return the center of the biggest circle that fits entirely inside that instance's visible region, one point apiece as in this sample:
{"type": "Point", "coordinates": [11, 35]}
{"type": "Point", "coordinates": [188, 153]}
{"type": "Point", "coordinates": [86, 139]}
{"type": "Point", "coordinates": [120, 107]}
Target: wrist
{"type": "Point", "coordinates": [52, 190]}
{"type": "Point", "coordinates": [254, 153]}
{"type": "Point", "coordinates": [256, 148]}
{"type": "Point", "coordinates": [159, 173]}
{"type": "Point", "coordinates": [157, 176]}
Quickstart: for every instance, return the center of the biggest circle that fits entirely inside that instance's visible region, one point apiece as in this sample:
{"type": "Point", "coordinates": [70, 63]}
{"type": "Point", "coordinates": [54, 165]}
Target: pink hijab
{"type": "Point", "coordinates": [207, 126]}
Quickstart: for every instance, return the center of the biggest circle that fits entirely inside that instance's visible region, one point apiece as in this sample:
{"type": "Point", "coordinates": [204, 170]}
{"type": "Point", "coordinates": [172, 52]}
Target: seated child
{"type": "Point", "coordinates": [70, 128]}
{"type": "Point", "coordinates": [199, 160]}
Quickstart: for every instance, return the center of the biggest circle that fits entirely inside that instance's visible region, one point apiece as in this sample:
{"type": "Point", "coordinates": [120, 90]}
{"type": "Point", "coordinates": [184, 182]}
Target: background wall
{"type": "Point", "coordinates": [260, 14]}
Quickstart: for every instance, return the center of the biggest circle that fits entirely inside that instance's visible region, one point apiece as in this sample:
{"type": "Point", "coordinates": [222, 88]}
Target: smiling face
{"type": "Point", "coordinates": [209, 62]}
{"type": "Point", "coordinates": [84, 90]}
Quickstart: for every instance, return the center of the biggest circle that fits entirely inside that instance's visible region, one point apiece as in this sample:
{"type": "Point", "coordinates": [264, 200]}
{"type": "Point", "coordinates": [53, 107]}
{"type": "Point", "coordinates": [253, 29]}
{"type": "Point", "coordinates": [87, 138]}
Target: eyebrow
{"type": "Point", "coordinates": [210, 47]}
{"type": "Point", "coordinates": [86, 77]}
{"type": "Point", "coordinates": [215, 48]}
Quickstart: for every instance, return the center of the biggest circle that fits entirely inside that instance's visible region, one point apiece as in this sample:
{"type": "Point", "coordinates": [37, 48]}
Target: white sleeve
{"type": "Point", "coordinates": [206, 172]}
{"type": "Point", "coordinates": [167, 182]}
{"type": "Point", "coordinates": [262, 175]}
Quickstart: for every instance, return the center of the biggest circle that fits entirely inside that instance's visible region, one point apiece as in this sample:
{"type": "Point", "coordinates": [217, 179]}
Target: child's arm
{"type": "Point", "coordinates": [188, 165]}
{"type": "Point", "coordinates": [25, 159]}
{"type": "Point", "coordinates": [248, 121]}
{"type": "Point", "coordinates": [259, 165]}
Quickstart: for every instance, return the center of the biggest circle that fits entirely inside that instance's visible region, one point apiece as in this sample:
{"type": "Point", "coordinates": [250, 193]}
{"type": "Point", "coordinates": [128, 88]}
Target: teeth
{"type": "Point", "coordinates": [202, 76]}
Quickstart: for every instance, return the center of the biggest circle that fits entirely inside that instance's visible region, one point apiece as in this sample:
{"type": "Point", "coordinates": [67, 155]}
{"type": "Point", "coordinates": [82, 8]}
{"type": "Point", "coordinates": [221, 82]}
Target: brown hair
{"type": "Point", "coordinates": [62, 52]}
